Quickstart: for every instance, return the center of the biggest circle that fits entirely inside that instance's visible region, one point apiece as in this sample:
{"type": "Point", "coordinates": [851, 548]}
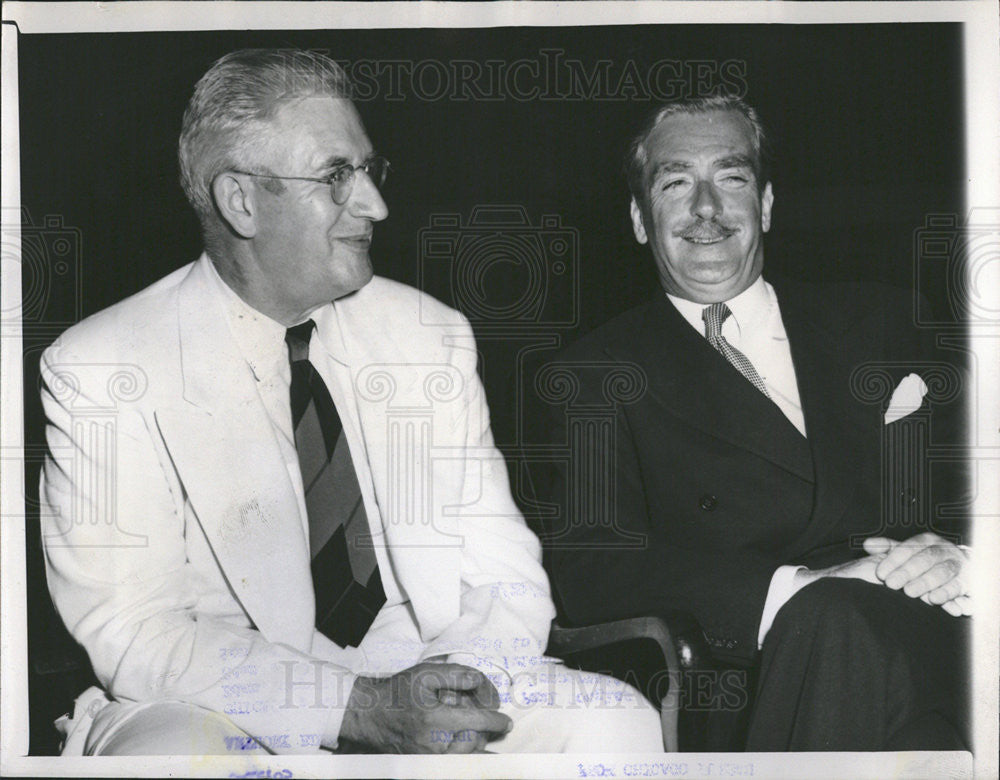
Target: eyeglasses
{"type": "Point", "coordinates": [341, 179]}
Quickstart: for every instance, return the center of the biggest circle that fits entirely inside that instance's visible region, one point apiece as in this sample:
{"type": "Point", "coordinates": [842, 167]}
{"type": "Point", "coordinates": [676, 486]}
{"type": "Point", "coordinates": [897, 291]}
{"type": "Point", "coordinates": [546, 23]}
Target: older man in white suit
{"type": "Point", "coordinates": [274, 513]}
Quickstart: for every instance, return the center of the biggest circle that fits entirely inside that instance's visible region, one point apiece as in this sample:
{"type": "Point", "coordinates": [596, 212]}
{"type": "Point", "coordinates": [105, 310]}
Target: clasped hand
{"type": "Point", "coordinates": [926, 566]}
{"type": "Point", "coordinates": [428, 708]}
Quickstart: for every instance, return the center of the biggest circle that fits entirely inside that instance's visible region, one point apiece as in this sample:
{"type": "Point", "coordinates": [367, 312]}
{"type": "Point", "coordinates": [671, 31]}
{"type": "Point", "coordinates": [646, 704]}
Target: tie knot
{"type": "Point", "coordinates": [297, 338]}
{"type": "Point", "coordinates": [714, 316]}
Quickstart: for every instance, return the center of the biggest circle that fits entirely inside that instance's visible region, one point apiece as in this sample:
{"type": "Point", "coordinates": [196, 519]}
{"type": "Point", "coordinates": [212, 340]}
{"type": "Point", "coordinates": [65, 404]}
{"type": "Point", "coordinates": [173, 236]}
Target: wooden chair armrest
{"type": "Point", "coordinates": [682, 647]}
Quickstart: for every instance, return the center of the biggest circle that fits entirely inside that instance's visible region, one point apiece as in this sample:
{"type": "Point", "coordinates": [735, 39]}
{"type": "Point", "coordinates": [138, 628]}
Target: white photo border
{"type": "Point", "coordinates": [982, 122]}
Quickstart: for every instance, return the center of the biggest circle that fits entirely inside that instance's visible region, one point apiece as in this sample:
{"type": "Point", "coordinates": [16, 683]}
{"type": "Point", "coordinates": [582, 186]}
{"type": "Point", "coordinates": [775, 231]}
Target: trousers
{"type": "Point", "coordinates": [849, 665]}
{"type": "Point", "coordinates": [554, 709]}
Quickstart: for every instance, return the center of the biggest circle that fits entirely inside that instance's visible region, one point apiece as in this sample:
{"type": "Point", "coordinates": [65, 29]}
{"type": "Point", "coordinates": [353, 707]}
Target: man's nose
{"type": "Point", "coordinates": [706, 203]}
{"type": "Point", "coordinates": [366, 201]}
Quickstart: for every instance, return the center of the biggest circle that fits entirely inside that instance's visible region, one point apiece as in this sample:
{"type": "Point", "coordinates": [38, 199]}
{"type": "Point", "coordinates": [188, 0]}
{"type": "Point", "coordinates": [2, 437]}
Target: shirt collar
{"type": "Point", "coordinates": [329, 332]}
{"type": "Point", "coordinates": [749, 309]}
{"type": "Point", "coordinates": [260, 339]}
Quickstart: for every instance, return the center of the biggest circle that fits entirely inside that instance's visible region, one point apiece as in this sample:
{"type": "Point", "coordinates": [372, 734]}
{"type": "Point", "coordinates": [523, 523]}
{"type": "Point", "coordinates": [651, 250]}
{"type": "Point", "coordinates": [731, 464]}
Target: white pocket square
{"type": "Point", "coordinates": [906, 398]}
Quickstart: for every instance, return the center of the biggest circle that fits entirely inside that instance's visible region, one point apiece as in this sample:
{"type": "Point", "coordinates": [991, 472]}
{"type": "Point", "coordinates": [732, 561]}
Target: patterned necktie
{"type": "Point", "coordinates": [346, 579]}
{"type": "Point", "coordinates": [714, 316]}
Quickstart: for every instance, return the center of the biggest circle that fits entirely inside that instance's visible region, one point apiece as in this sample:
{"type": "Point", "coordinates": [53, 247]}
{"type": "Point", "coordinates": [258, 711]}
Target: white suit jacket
{"type": "Point", "coordinates": [174, 545]}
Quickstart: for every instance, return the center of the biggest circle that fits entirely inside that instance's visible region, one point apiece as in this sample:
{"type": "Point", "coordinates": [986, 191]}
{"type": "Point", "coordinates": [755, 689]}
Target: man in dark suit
{"type": "Point", "coordinates": [744, 476]}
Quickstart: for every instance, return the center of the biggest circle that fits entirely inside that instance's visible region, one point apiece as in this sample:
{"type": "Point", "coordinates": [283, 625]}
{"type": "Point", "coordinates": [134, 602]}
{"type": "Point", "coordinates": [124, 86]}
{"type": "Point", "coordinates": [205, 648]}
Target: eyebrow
{"type": "Point", "coordinates": [671, 167]}
{"type": "Point", "coordinates": [734, 161]}
{"type": "Point", "coordinates": [334, 162]}
{"type": "Point", "coordinates": [729, 161]}
{"type": "Point", "coordinates": [338, 160]}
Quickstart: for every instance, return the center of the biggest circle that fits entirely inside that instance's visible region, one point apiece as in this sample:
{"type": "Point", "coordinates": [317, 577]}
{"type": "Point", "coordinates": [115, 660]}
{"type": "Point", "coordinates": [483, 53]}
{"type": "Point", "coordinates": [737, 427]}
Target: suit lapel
{"type": "Point", "coordinates": [822, 370]}
{"type": "Point", "coordinates": [397, 423]}
{"type": "Point", "coordinates": [690, 380]}
{"type": "Point", "coordinates": [223, 446]}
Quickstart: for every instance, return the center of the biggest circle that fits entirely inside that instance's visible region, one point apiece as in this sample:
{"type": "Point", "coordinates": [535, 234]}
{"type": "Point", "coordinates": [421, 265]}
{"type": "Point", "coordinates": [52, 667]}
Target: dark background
{"type": "Point", "coordinates": [866, 122]}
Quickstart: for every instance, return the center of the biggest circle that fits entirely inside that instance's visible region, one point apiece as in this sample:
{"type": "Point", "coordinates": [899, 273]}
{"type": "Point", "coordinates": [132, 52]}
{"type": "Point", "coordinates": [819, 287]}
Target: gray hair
{"type": "Point", "coordinates": [635, 162]}
{"type": "Point", "coordinates": [223, 122]}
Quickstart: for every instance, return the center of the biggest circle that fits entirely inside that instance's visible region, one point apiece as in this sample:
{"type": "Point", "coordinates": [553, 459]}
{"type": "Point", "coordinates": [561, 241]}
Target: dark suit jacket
{"type": "Point", "coordinates": [708, 487]}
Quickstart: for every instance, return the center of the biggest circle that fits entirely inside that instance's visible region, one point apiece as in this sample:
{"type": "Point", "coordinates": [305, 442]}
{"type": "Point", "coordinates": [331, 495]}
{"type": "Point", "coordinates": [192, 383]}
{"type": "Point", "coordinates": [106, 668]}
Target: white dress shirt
{"type": "Point", "coordinates": [755, 329]}
{"type": "Point", "coordinates": [262, 342]}
{"type": "Point", "coordinates": [393, 641]}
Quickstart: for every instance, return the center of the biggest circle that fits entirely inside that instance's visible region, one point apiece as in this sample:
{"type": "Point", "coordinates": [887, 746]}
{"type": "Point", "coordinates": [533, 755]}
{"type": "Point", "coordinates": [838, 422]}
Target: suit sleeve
{"type": "Point", "coordinates": [506, 608]}
{"type": "Point", "coordinates": [113, 530]}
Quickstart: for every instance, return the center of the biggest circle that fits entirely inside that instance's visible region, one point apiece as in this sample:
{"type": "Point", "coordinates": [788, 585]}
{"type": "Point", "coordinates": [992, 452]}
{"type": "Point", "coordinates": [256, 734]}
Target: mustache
{"type": "Point", "coordinates": [705, 231]}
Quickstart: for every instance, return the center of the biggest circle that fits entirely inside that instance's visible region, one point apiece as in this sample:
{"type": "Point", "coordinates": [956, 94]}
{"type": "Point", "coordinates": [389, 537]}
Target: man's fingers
{"type": "Point", "coordinates": [464, 729]}
{"type": "Point", "coordinates": [473, 718]}
{"type": "Point", "coordinates": [454, 677]}
{"type": "Point", "coordinates": [490, 721]}
{"type": "Point", "coordinates": [944, 593]}
{"type": "Point", "coordinates": [902, 552]}
{"type": "Point", "coordinates": [449, 697]}
{"type": "Point", "coordinates": [878, 545]}
{"type": "Point", "coordinates": [960, 606]}
{"type": "Point", "coordinates": [461, 742]}
{"type": "Point", "coordinates": [486, 695]}
{"type": "Point", "coordinates": [859, 568]}
{"type": "Point", "coordinates": [943, 560]}
{"type": "Point", "coordinates": [941, 573]}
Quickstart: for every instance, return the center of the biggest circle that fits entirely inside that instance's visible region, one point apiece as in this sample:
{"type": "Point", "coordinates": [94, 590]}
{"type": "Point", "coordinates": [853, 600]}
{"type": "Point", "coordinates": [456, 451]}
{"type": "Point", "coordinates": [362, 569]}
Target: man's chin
{"type": "Point", "coordinates": [367, 276]}
{"type": "Point", "coordinates": [355, 283]}
{"type": "Point", "coordinates": [712, 270]}
{"type": "Point", "coordinates": [711, 282]}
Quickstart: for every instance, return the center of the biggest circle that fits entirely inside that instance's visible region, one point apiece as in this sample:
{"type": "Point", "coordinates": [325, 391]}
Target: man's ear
{"type": "Point", "coordinates": [235, 204]}
{"type": "Point", "coordinates": [766, 200]}
{"type": "Point", "coordinates": [637, 227]}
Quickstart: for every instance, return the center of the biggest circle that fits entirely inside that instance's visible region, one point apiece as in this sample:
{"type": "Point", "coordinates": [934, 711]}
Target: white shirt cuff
{"type": "Point", "coordinates": [780, 590]}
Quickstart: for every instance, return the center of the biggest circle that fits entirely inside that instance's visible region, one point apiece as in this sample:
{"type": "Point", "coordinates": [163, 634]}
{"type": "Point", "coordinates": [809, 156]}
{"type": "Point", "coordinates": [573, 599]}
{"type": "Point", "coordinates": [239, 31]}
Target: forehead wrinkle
{"type": "Point", "coordinates": [327, 136]}
{"type": "Point", "coordinates": [737, 160]}
{"type": "Point", "coordinates": [336, 159]}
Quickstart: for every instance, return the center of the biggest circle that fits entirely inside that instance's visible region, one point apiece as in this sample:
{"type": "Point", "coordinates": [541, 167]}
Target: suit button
{"type": "Point", "coordinates": [708, 502]}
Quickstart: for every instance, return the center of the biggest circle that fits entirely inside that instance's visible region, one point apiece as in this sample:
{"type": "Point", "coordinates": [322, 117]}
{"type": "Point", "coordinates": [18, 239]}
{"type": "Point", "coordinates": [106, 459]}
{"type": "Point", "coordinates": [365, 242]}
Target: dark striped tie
{"type": "Point", "coordinates": [345, 573]}
{"type": "Point", "coordinates": [714, 316]}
